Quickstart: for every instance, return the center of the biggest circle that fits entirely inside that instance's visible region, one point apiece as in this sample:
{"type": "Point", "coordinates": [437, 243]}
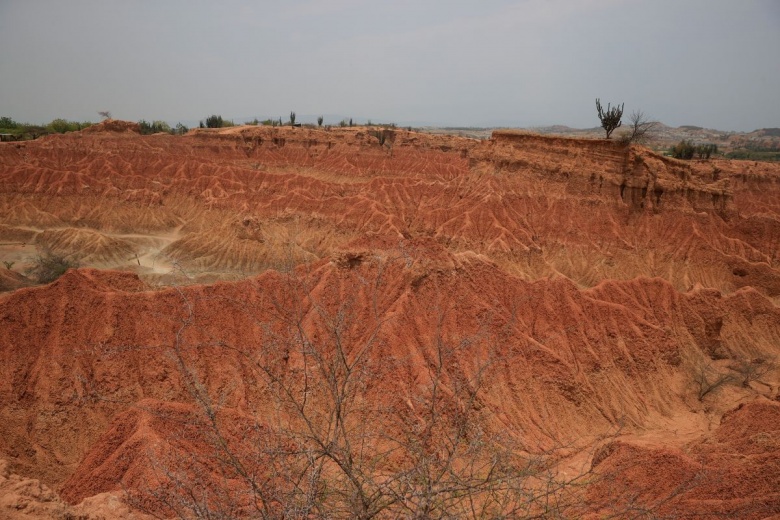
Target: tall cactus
{"type": "Point", "coordinates": [610, 118]}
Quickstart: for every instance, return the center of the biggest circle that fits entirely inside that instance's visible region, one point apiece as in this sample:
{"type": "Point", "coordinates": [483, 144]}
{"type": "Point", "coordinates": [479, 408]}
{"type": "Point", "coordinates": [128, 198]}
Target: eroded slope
{"type": "Point", "coordinates": [233, 202]}
{"type": "Point", "coordinates": [603, 305]}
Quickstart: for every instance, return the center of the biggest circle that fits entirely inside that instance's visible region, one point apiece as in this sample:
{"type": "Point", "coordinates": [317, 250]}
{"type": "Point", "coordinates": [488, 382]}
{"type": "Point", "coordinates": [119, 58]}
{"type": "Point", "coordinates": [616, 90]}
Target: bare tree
{"type": "Point", "coordinates": [750, 370]}
{"type": "Point", "coordinates": [707, 379]}
{"type": "Point", "coordinates": [640, 128]}
{"type": "Point", "coordinates": [325, 439]}
{"type": "Point", "coordinates": [105, 114]}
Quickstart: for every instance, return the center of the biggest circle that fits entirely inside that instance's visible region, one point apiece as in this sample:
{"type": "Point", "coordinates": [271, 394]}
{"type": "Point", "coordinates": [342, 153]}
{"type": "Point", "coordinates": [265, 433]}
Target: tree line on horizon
{"type": "Point", "coordinates": [24, 131]}
{"type": "Point", "coordinates": [640, 128]}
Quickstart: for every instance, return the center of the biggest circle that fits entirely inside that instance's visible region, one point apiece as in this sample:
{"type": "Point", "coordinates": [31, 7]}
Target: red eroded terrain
{"type": "Point", "coordinates": [372, 323]}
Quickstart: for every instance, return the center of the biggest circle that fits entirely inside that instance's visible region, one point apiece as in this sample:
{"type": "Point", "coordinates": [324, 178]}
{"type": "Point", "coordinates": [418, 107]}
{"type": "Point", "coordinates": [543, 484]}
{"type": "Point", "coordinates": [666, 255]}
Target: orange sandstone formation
{"type": "Point", "coordinates": [622, 306]}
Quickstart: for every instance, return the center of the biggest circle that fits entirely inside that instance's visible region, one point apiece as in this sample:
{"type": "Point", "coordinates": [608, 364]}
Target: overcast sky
{"type": "Point", "coordinates": [711, 63]}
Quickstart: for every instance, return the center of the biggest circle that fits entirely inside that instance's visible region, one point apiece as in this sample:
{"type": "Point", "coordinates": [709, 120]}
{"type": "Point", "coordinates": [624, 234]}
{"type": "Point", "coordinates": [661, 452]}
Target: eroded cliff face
{"type": "Point", "coordinates": [642, 180]}
{"type": "Point", "coordinates": [225, 204]}
{"type": "Point", "coordinates": [614, 304]}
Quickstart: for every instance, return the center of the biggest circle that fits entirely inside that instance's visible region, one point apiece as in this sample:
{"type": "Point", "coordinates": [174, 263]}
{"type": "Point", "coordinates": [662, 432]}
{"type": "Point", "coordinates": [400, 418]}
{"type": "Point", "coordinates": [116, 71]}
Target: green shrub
{"type": "Point", "coordinates": [48, 267]}
{"type": "Point", "coordinates": [9, 126]}
{"type": "Point", "coordinates": [61, 126]}
{"type": "Point", "coordinates": [704, 151]}
{"type": "Point", "coordinates": [154, 127]}
{"type": "Point", "coordinates": [686, 150]}
{"type": "Point", "coordinates": [750, 155]}
{"type": "Point", "coordinates": [214, 121]}
{"type": "Point", "coordinates": [683, 150]}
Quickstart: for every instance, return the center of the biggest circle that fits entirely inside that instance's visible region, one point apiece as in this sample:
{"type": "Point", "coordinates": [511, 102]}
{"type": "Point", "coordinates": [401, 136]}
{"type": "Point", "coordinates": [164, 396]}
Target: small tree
{"type": "Point", "coordinates": [60, 126]}
{"type": "Point", "coordinates": [320, 120]}
{"type": "Point", "coordinates": [610, 118]}
{"type": "Point", "coordinates": [292, 118]}
{"type": "Point", "coordinates": [214, 121]}
{"type": "Point", "coordinates": [8, 123]}
{"type": "Point", "coordinates": [105, 114]}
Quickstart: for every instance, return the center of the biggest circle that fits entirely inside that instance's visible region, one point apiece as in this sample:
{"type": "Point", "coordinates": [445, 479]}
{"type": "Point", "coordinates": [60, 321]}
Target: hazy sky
{"type": "Point", "coordinates": [711, 63]}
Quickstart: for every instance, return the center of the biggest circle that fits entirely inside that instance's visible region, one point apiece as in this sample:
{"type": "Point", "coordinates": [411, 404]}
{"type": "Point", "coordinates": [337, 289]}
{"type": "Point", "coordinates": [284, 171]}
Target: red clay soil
{"type": "Point", "coordinates": [621, 310]}
{"type": "Point", "coordinates": [11, 280]}
{"type": "Point", "coordinates": [731, 474]}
